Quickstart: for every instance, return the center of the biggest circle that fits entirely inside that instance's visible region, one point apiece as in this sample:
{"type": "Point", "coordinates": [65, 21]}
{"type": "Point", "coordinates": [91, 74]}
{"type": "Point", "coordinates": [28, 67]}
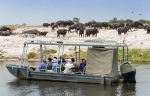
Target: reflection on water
{"type": "Point", "coordinates": [11, 86]}
{"type": "Point", "coordinates": [59, 88]}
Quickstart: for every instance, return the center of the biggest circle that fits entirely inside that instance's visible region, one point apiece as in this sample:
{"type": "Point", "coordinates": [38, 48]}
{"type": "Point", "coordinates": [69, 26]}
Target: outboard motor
{"type": "Point", "coordinates": [128, 72]}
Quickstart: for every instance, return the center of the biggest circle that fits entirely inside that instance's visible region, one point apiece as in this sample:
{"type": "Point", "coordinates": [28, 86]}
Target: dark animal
{"type": "Point", "coordinates": [43, 33]}
{"type": "Point", "coordinates": [123, 30]}
{"type": "Point", "coordinates": [36, 32]}
{"type": "Point", "coordinates": [112, 26]}
{"type": "Point", "coordinates": [117, 25]}
{"type": "Point", "coordinates": [54, 26]}
{"type": "Point", "coordinates": [81, 32]}
{"type": "Point", "coordinates": [92, 32]}
{"type": "Point", "coordinates": [46, 24]}
{"type": "Point", "coordinates": [105, 24]}
{"type": "Point", "coordinates": [74, 26]}
{"type": "Point", "coordinates": [147, 28]}
{"type": "Point", "coordinates": [61, 32]}
{"type": "Point", "coordinates": [67, 23]}
{"type": "Point", "coordinates": [4, 28]}
{"type": "Point", "coordinates": [5, 33]}
{"type": "Point", "coordinates": [134, 25]}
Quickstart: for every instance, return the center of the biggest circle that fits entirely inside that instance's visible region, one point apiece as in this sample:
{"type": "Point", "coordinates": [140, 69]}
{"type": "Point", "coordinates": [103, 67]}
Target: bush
{"type": "Point", "coordinates": [136, 54]}
{"type": "Point", "coordinates": [32, 55]}
{"type": "Point", "coordinates": [1, 52]}
{"type": "Point", "coordinates": [51, 51]}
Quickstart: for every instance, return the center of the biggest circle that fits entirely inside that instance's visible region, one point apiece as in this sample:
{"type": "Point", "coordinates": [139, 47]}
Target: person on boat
{"type": "Point", "coordinates": [49, 64]}
{"type": "Point", "coordinates": [63, 63]}
{"type": "Point", "coordinates": [43, 66]}
{"type": "Point", "coordinates": [54, 65]}
{"type": "Point", "coordinates": [75, 67]}
{"type": "Point", "coordinates": [82, 65]}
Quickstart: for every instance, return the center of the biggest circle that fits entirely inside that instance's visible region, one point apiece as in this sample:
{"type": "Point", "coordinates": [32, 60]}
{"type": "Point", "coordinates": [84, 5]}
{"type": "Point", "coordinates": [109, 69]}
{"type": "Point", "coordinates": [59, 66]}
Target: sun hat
{"type": "Point", "coordinates": [54, 60]}
{"type": "Point", "coordinates": [44, 59]}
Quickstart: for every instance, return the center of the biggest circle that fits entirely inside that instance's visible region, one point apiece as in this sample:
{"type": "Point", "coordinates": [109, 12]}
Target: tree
{"type": "Point", "coordinates": [128, 21]}
{"type": "Point", "coordinates": [143, 21]}
{"type": "Point", "coordinates": [24, 24]}
{"type": "Point", "coordinates": [76, 20]}
{"type": "Point", "coordinates": [114, 20]}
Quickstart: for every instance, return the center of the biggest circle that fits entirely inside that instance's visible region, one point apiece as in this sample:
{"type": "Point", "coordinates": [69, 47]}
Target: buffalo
{"type": "Point", "coordinates": [55, 25]}
{"type": "Point", "coordinates": [92, 32]}
{"type": "Point", "coordinates": [134, 25]}
{"type": "Point", "coordinates": [147, 27]}
{"type": "Point", "coordinates": [117, 25]}
{"type": "Point", "coordinates": [123, 30]}
{"type": "Point", "coordinates": [61, 32]}
{"type": "Point", "coordinates": [105, 24]}
{"type": "Point", "coordinates": [36, 32]}
{"type": "Point", "coordinates": [4, 28]}
{"type": "Point", "coordinates": [5, 33]}
{"type": "Point", "coordinates": [43, 33]}
{"type": "Point", "coordinates": [74, 26]}
{"type": "Point", "coordinates": [81, 32]}
{"type": "Point", "coordinates": [46, 24]}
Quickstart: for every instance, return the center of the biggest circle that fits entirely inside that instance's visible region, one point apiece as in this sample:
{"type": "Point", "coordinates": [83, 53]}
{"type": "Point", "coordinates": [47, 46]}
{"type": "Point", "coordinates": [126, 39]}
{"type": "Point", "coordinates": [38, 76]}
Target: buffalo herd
{"type": "Point", "coordinates": [87, 29]}
{"type": "Point", "coordinates": [91, 28]}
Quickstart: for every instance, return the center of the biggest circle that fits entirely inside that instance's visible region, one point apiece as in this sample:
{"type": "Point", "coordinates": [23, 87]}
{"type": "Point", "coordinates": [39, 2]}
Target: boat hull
{"type": "Point", "coordinates": [26, 73]}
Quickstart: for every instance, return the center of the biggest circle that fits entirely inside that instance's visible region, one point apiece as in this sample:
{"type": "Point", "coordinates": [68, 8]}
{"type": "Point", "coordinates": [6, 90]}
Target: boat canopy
{"type": "Point", "coordinates": [102, 61]}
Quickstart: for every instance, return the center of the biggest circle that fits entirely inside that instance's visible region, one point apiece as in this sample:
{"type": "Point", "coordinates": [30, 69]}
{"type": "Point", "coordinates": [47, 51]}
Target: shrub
{"type": "Point", "coordinates": [136, 54]}
{"type": "Point", "coordinates": [31, 54]}
{"type": "Point", "coordinates": [1, 52]}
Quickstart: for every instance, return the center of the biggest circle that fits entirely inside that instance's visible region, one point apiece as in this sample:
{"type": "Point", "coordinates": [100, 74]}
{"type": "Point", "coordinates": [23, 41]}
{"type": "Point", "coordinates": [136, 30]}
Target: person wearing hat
{"type": "Point", "coordinates": [54, 65]}
{"type": "Point", "coordinates": [43, 66]}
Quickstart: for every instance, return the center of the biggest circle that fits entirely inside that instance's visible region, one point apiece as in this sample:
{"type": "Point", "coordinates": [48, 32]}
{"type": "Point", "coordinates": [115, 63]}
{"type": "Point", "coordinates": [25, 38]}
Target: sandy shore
{"type": "Point", "coordinates": [12, 46]}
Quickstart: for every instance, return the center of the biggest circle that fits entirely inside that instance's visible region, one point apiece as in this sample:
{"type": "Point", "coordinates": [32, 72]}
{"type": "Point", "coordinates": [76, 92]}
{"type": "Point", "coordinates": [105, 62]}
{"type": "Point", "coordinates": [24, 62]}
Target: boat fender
{"type": "Point", "coordinates": [27, 73]}
{"type": "Point", "coordinates": [16, 72]}
{"type": "Point", "coordinates": [13, 67]}
{"type": "Point", "coordinates": [102, 79]}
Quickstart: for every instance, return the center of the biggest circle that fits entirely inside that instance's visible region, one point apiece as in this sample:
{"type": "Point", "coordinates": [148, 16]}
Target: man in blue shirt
{"type": "Point", "coordinates": [43, 66]}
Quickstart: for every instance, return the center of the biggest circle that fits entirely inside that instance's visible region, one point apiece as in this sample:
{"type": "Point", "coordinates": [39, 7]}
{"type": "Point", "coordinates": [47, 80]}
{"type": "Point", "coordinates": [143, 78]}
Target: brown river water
{"type": "Point", "coordinates": [11, 86]}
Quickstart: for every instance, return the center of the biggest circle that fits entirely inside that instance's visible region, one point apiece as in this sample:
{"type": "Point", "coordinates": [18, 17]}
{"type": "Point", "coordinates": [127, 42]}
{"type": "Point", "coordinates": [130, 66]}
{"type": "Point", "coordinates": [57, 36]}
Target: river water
{"type": "Point", "coordinates": [11, 86]}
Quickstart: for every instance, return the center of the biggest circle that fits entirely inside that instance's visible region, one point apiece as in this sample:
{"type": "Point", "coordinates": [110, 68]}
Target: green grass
{"type": "Point", "coordinates": [31, 55]}
{"type": "Point", "coordinates": [137, 55]}
{"type": "Point", "coordinates": [1, 52]}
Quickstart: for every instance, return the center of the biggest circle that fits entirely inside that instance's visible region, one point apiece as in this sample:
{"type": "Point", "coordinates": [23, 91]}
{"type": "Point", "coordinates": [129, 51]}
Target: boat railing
{"type": "Point", "coordinates": [82, 43]}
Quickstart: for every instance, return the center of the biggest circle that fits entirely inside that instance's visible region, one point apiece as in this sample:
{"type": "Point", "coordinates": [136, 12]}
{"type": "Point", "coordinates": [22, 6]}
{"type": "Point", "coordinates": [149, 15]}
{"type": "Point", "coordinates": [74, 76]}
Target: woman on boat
{"type": "Point", "coordinates": [82, 65]}
{"type": "Point", "coordinates": [43, 66]}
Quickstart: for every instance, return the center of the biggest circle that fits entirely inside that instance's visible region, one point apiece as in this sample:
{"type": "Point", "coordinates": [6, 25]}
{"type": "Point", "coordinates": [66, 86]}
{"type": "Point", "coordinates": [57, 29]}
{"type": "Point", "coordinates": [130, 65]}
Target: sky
{"type": "Point", "coordinates": [37, 12]}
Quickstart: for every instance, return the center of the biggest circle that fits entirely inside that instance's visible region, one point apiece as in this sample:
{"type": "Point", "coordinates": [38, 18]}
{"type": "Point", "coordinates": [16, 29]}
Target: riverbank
{"type": "Point", "coordinates": [11, 47]}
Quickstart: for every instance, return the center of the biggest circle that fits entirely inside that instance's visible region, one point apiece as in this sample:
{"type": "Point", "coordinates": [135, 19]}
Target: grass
{"type": "Point", "coordinates": [137, 55]}
{"type": "Point", "coordinates": [1, 52]}
{"type": "Point", "coordinates": [31, 55]}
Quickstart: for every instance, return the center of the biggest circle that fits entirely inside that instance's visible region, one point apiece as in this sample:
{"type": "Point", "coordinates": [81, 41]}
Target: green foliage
{"type": "Point", "coordinates": [114, 20]}
{"type": "Point", "coordinates": [51, 51]}
{"type": "Point", "coordinates": [128, 21]}
{"type": "Point", "coordinates": [144, 21]}
{"type": "Point", "coordinates": [31, 54]}
{"type": "Point", "coordinates": [1, 52]}
{"type": "Point", "coordinates": [83, 53]}
{"type": "Point", "coordinates": [136, 54]}
{"type": "Point", "coordinates": [76, 20]}
{"type": "Point", "coordinates": [64, 55]}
